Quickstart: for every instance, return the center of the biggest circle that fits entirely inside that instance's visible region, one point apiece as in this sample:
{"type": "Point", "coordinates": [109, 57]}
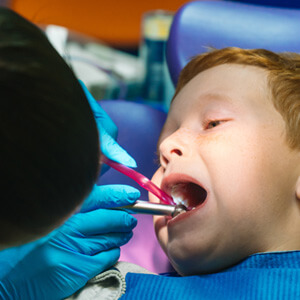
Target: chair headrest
{"type": "Point", "coordinates": [201, 24]}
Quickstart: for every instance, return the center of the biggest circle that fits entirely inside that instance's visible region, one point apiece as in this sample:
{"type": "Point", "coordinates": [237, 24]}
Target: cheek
{"type": "Point", "coordinates": [160, 224]}
{"type": "Point", "coordinates": [237, 165]}
{"type": "Point", "coordinates": [156, 179]}
{"type": "Point", "coordinates": [249, 175]}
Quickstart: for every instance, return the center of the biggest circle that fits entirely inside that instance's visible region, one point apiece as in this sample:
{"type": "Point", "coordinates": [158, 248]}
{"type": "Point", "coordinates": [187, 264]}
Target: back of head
{"type": "Point", "coordinates": [49, 139]}
{"type": "Point", "coordinates": [283, 75]}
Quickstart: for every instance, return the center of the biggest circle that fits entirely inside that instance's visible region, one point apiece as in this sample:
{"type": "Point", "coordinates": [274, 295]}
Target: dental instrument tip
{"type": "Point", "coordinates": [145, 207]}
{"type": "Point", "coordinates": [179, 208]}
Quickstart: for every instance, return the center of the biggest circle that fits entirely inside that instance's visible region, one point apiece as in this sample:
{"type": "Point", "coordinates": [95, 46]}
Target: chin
{"type": "Point", "coordinates": [200, 260]}
{"type": "Point", "coordinates": [199, 266]}
{"type": "Point", "coordinates": [189, 267]}
{"type": "Point", "coordinates": [185, 261]}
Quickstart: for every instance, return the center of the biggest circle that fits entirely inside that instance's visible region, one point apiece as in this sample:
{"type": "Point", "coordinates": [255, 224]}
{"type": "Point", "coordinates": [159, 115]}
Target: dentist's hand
{"type": "Point", "coordinates": [108, 132]}
{"type": "Point", "coordinates": [87, 244]}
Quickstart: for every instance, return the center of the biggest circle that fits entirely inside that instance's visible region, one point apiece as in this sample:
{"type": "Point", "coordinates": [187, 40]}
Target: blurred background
{"type": "Point", "coordinates": [117, 48]}
{"type": "Point", "coordinates": [124, 51]}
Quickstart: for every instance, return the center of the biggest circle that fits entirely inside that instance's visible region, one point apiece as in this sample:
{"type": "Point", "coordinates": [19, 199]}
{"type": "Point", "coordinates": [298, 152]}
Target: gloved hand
{"type": "Point", "coordinates": [84, 246]}
{"type": "Point", "coordinates": [108, 132]}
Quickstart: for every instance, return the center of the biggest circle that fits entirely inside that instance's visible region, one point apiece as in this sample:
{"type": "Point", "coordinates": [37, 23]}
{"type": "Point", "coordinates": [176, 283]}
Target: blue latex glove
{"type": "Point", "coordinates": [84, 246]}
{"type": "Point", "coordinates": [108, 132]}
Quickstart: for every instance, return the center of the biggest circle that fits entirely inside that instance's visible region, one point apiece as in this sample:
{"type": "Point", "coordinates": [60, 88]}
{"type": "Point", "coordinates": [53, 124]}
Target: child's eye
{"type": "Point", "coordinates": [213, 123]}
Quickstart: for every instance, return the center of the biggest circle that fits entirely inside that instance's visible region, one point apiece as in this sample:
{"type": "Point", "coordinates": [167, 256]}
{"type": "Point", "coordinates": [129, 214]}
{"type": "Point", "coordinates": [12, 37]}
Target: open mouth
{"type": "Point", "coordinates": [188, 193]}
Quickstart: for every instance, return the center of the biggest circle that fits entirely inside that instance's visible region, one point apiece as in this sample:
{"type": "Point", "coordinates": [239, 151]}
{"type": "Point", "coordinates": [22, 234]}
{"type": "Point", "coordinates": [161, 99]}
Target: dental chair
{"type": "Point", "coordinates": [277, 3]}
{"type": "Point", "coordinates": [196, 26]}
{"type": "Point", "coordinates": [202, 24]}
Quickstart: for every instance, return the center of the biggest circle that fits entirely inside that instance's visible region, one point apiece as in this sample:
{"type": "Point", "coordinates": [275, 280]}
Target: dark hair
{"type": "Point", "coordinates": [49, 139]}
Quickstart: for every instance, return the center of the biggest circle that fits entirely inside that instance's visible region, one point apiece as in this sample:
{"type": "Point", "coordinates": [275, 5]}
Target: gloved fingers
{"type": "Point", "coordinates": [107, 196]}
{"type": "Point", "coordinates": [100, 115]}
{"type": "Point", "coordinates": [108, 132]}
{"type": "Point", "coordinates": [100, 221]}
{"type": "Point", "coordinates": [94, 244]}
{"type": "Point", "coordinates": [112, 150]}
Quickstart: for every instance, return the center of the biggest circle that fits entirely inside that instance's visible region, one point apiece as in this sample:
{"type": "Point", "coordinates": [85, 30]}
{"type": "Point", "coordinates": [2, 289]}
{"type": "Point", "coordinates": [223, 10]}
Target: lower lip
{"type": "Point", "coordinates": [185, 215]}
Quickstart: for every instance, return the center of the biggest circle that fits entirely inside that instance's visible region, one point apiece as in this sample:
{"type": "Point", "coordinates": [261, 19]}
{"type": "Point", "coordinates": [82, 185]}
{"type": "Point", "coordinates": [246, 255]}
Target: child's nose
{"type": "Point", "coordinates": [172, 147]}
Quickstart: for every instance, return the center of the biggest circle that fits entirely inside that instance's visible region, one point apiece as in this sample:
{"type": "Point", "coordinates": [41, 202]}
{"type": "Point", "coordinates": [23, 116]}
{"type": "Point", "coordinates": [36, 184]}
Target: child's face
{"type": "Point", "coordinates": [223, 148]}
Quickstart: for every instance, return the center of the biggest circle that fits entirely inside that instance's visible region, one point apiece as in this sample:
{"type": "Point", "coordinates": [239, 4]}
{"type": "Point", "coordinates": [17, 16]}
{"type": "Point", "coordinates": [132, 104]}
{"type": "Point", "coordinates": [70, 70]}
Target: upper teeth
{"type": "Point", "coordinates": [179, 200]}
{"type": "Point", "coordinates": [177, 196]}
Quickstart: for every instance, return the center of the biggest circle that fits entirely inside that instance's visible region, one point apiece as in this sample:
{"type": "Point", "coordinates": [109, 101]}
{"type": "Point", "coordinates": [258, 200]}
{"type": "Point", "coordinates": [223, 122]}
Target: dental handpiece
{"type": "Point", "coordinates": [145, 207]}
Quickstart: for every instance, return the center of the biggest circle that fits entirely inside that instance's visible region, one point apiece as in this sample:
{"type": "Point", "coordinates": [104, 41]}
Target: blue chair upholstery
{"type": "Point", "coordinates": [201, 24]}
{"type": "Point", "coordinates": [277, 3]}
{"type": "Point", "coordinates": [139, 128]}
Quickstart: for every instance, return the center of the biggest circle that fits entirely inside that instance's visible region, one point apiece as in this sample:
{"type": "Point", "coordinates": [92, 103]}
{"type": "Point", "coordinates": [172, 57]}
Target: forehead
{"type": "Point", "coordinates": [224, 83]}
{"type": "Point", "coordinates": [226, 80]}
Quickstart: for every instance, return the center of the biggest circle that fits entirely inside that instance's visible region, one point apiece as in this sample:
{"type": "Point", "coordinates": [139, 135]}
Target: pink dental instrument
{"type": "Point", "coordinates": [143, 181]}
